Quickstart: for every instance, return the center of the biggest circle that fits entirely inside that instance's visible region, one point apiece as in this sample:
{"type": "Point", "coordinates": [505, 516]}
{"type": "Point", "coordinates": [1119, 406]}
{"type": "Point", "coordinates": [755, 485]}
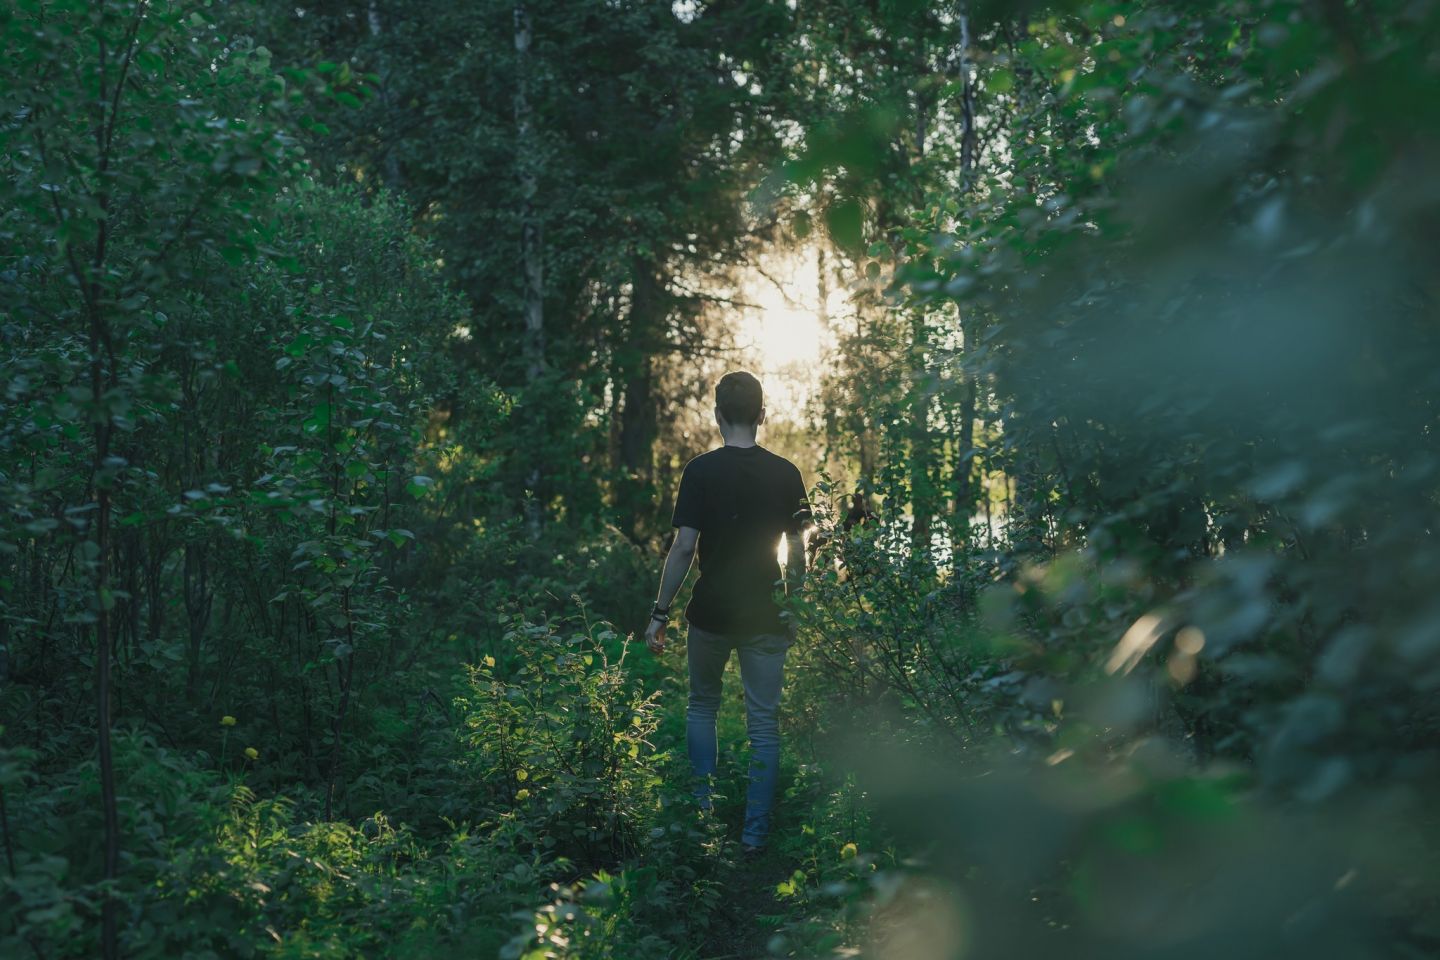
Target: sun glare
{"type": "Point", "coordinates": [782, 335]}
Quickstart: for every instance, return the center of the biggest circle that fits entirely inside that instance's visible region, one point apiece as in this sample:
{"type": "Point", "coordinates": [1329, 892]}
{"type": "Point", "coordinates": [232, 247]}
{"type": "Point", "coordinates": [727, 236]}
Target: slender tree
{"type": "Point", "coordinates": [531, 249]}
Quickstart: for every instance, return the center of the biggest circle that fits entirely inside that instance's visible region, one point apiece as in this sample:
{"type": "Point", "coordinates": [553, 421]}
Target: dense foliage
{"type": "Point", "coordinates": [351, 352]}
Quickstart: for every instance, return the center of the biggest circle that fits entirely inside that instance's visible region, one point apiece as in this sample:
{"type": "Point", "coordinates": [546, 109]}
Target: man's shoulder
{"type": "Point", "coordinates": [782, 463]}
{"type": "Point", "coordinates": [703, 460]}
{"type": "Point", "coordinates": [716, 458]}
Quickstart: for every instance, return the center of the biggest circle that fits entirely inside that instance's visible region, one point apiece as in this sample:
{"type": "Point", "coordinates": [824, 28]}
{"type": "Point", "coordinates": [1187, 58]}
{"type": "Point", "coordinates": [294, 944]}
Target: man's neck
{"type": "Point", "coordinates": [739, 438]}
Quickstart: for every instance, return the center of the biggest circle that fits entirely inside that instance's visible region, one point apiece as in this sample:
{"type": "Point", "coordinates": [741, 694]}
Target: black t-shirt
{"type": "Point", "coordinates": [741, 499]}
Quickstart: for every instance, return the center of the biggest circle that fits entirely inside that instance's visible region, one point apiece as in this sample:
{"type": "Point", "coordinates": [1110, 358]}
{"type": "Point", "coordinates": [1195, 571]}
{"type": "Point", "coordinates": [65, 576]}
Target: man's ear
{"type": "Point", "coordinates": [719, 420]}
{"type": "Point", "coordinates": [760, 419]}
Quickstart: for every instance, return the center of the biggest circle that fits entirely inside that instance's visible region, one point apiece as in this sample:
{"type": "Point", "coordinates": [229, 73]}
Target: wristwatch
{"type": "Point", "coordinates": [660, 613]}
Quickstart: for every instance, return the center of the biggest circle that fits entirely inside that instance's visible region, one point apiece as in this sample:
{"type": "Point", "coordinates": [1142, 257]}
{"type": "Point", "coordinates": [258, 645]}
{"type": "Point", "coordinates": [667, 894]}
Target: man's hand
{"type": "Point", "coordinates": [792, 624]}
{"type": "Point", "coordinates": [655, 636]}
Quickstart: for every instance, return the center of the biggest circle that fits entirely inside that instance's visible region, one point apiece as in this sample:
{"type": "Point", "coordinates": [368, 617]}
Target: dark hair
{"type": "Point", "coordinates": [739, 397]}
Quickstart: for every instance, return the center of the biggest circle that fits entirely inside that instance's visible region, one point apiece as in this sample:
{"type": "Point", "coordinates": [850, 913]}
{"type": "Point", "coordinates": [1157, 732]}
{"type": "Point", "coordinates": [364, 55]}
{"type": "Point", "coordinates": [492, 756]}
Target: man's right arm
{"type": "Point", "coordinates": [677, 564]}
{"type": "Point", "coordinates": [687, 520]}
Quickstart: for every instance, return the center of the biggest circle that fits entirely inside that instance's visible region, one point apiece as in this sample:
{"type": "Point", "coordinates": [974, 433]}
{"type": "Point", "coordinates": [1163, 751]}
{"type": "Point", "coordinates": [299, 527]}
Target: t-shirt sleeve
{"type": "Point", "coordinates": [690, 501]}
{"type": "Point", "coordinates": [797, 501]}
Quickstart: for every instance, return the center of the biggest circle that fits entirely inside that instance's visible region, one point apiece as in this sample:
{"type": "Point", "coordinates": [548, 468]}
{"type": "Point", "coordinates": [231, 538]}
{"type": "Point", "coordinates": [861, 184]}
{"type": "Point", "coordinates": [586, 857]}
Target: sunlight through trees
{"type": "Point", "coordinates": [353, 355]}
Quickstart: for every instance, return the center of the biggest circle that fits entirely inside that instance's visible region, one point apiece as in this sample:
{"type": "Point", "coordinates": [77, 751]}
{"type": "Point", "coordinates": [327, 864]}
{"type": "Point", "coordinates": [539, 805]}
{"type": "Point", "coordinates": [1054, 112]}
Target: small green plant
{"type": "Point", "coordinates": [559, 736]}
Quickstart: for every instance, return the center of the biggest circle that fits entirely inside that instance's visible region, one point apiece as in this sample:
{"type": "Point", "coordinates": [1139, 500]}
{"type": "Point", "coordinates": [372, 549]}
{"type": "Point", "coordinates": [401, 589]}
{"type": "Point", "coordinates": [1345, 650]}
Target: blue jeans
{"type": "Point", "coordinates": [762, 662]}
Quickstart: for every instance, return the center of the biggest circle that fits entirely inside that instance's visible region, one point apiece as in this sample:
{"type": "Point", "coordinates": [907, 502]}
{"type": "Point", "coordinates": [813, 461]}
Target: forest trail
{"type": "Point", "coordinates": [352, 364]}
{"type": "Point", "coordinates": [739, 930]}
{"type": "Point", "coordinates": [747, 912]}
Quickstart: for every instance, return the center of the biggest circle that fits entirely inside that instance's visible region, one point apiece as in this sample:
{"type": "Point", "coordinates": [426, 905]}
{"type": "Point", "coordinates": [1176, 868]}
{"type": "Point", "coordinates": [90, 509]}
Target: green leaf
{"type": "Point", "coordinates": [845, 221]}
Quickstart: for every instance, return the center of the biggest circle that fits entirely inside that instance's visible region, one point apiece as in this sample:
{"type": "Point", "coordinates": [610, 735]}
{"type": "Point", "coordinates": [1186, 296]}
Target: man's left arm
{"type": "Point", "coordinates": [795, 552]}
{"type": "Point", "coordinates": [795, 557]}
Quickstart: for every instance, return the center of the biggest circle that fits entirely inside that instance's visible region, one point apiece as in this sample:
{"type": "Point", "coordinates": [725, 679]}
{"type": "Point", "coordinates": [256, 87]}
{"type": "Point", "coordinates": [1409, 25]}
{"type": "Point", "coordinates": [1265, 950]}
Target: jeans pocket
{"type": "Point", "coordinates": [772, 643]}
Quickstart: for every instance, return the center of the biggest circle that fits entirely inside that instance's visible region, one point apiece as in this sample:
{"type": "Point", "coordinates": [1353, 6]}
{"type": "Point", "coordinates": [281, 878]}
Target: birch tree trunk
{"type": "Point", "coordinates": [922, 486]}
{"type": "Point", "coordinates": [963, 468]}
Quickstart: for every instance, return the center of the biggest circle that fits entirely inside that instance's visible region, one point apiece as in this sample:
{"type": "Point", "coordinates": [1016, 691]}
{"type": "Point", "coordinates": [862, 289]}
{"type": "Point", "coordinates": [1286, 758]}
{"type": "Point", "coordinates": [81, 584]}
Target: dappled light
{"type": "Point", "coordinates": [1136, 642]}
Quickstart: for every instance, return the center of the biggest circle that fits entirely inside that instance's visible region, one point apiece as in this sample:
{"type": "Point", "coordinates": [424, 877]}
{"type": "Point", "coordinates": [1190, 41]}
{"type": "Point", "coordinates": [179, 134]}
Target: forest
{"type": "Point", "coordinates": [352, 354]}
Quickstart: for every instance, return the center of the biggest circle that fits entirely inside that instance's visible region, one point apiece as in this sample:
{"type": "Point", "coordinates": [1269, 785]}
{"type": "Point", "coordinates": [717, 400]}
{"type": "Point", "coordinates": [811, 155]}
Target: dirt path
{"type": "Point", "coordinates": [749, 912]}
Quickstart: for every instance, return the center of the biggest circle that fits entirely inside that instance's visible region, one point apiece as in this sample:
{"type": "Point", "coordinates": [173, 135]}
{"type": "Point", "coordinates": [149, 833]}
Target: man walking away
{"type": "Point", "coordinates": [736, 502]}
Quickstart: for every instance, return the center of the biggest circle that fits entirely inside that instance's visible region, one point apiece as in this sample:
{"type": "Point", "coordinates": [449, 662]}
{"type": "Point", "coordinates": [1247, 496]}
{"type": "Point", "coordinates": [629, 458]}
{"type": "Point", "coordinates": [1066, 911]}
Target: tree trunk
{"type": "Point", "coordinates": [822, 287]}
{"type": "Point", "coordinates": [639, 422]}
{"type": "Point", "coordinates": [964, 467]}
{"type": "Point", "coordinates": [103, 377]}
{"type": "Point", "coordinates": [390, 163]}
{"type": "Point", "coordinates": [638, 425]}
{"type": "Point", "coordinates": [198, 600]}
{"type": "Point", "coordinates": [866, 448]}
{"type": "Point", "coordinates": [345, 675]}
{"type": "Point", "coordinates": [922, 488]}
{"type": "Point", "coordinates": [531, 254]}
{"type": "Point", "coordinates": [99, 347]}
{"type": "Point", "coordinates": [969, 138]}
